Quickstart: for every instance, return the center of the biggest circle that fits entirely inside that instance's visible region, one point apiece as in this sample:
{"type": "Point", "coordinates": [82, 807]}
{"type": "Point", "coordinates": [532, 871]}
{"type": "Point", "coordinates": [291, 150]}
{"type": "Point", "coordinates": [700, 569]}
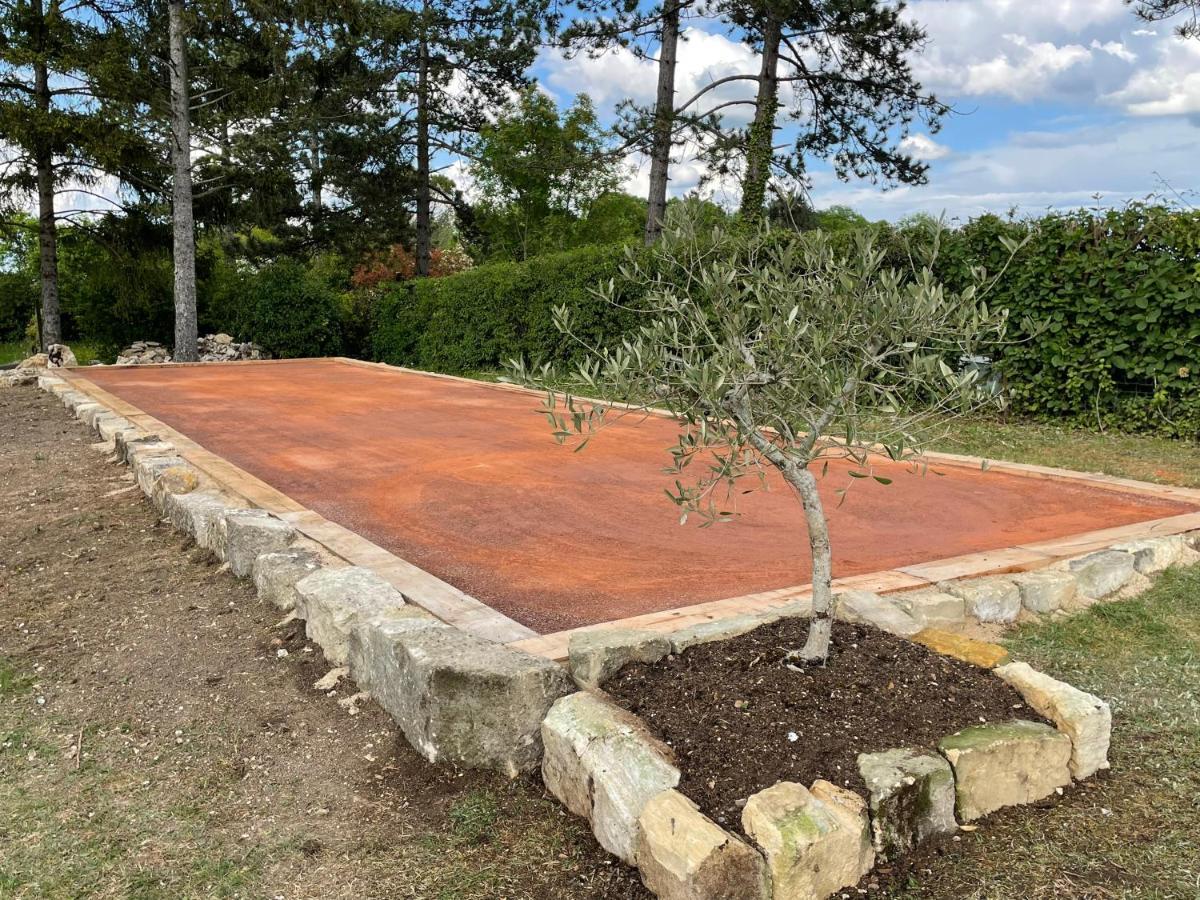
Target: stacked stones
{"type": "Point", "coordinates": [211, 348]}
{"type": "Point", "coordinates": [223, 348]}
{"type": "Point", "coordinates": [805, 843]}
{"type": "Point", "coordinates": [456, 698]}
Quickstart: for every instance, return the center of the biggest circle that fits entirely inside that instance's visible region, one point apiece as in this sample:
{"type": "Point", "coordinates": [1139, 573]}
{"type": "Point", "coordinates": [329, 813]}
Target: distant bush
{"type": "Point", "coordinates": [18, 299]}
{"type": "Point", "coordinates": [288, 309]}
{"type": "Point", "coordinates": [479, 318]}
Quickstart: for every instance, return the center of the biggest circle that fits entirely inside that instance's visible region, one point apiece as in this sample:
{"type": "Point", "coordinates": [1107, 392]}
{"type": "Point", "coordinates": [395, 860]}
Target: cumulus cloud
{"type": "Point", "coordinates": [1170, 87]}
{"type": "Point", "coordinates": [923, 147]}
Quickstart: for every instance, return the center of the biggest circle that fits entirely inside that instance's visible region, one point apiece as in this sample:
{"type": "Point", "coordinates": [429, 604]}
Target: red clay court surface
{"type": "Point", "coordinates": [465, 481]}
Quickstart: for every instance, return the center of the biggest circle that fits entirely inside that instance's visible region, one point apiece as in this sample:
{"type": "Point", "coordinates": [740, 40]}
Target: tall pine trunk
{"type": "Point", "coordinates": [50, 318]}
{"type": "Point", "coordinates": [762, 130]}
{"type": "Point", "coordinates": [316, 180]}
{"type": "Point", "coordinates": [181, 163]}
{"type": "Point", "coordinates": [664, 121]}
{"type": "Point", "coordinates": [424, 228]}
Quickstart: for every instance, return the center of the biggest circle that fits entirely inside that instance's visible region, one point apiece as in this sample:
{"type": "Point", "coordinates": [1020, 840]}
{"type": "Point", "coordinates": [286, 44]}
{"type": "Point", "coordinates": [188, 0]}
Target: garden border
{"type": "Point", "coordinates": [458, 608]}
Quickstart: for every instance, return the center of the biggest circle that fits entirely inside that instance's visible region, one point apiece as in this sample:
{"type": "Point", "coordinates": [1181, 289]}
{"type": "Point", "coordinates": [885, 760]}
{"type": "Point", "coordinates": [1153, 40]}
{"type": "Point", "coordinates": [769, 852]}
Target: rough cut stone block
{"type": "Point", "coordinates": [173, 480]}
{"type": "Point", "coordinates": [49, 382]}
{"type": "Point", "coordinates": [18, 378]}
{"type": "Point", "coordinates": [1099, 574]}
{"type": "Point", "coordinates": [600, 761]}
{"type": "Point", "coordinates": [816, 841]}
{"type": "Point", "coordinates": [1008, 764]}
{"type": "Point", "coordinates": [595, 656]}
{"type": "Point", "coordinates": [70, 399]}
{"type": "Point", "coordinates": [684, 855]}
{"type": "Point", "coordinates": [458, 699]}
{"type": "Point", "coordinates": [1153, 555]}
{"type": "Point", "coordinates": [1045, 590]}
{"type": "Point", "coordinates": [87, 411]}
{"type": "Point", "coordinates": [333, 601]}
{"type": "Point", "coordinates": [1083, 717]}
{"type": "Point", "coordinates": [977, 653]}
{"type": "Point", "coordinates": [723, 629]}
{"type": "Point", "coordinates": [931, 608]}
{"type": "Point", "coordinates": [112, 425]}
{"type": "Point", "coordinates": [911, 799]}
{"type": "Point", "coordinates": [988, 599]}
{"type": "Point", "coordinates": [143, 447]}
{"type": "Point", "coordinates": [147, 469]}
{"type": "Point", "coordinates": [276, 574]}
{"type": "Point", "coordinates": [884, 613]}
{"type": "Point", "coordinates": [247, 533]}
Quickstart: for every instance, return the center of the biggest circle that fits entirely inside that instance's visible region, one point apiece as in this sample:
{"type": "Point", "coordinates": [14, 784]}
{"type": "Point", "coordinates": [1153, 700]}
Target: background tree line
{"type": "Point", "coordinates": [217, 137]}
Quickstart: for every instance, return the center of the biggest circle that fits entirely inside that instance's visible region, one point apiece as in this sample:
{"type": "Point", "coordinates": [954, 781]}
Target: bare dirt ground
{"type": "Point", "coordinates": [156, 740]}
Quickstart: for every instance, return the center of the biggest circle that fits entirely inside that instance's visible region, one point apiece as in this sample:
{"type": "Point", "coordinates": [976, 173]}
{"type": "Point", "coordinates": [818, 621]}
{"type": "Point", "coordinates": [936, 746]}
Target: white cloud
{"type": "Point", "coordinates": [1115, 48]}
{"type": "Point", "coordinates": [1021, 72]}
{"type": "Point", "coordinates": [1038, 170]}
{"type": "Point", "coordinates": [923, 147]}
{"type": "Point", "coordinates": [1170, 87]}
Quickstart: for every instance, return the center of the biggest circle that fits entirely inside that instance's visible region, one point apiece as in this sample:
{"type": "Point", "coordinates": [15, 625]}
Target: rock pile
{"type": "Point", "coordinates": [223, 348]}
{"type": "Point", "coordinates": [143, 353]}
{"type": "Point", "coordinates": [211, 347]}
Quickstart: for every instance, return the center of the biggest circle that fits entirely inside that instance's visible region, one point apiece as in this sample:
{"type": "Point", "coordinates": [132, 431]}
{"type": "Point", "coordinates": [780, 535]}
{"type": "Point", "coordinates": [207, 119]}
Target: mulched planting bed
{"type": "Point", "coordinates": [740, 721]}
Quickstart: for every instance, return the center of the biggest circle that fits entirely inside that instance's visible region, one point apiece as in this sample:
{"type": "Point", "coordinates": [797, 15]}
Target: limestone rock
{"type": "Point", "coordinates": [132, 447]}
{"type": "Point", "coordinates": [174, 480]}
{"type": "Point", "coordinates": [1008, 764]}
{"type": "Point", "coordinates": [19, 378]}
{"type": "Point", "coordinates": [143, 353]}
{"type": "Point", "coordinates": [977, 653]}
{"type": "Point", "coordinates": [276, 573]}
{"type": "Point", "coordinates": [867, 608]}
{"type": "Point", "coordinates": [333, 601]}
{"type": "Point", "coordinates": [600, 761]}
{"type": "Point", "coordinates": [816, 841]}
{"type": "Point", "coordinates": [458, 699]}
{"type": "Point", "coordinates": [147, 469]}
{"type": "Point", "coordinates": [1153, 555]}
{"type": "Point", "coordinates": [1102, 573]}
{"type": "Point", "coordinates": [113, 425]}
{"type": "Point", "coordinates": [684, 855]}
{"type": "Point", "coordinates": [931, 608]}
{"type": "Point", "coordinates": [60, 356]}
{"type": "Point", "coordinates": [223, 348]}
{"type": "Point", "coordinates": [1083, 717]}
{"type": "Point", "coordinates": [595, 656]}
{"type": "Point", "coordinates": [198, 514]}
{"type": "Point", "coordinates": [990, 599]}
{"type": "Point", "coordinates": [37, 361]}
{"type": "Point", "coordinates": [1045, 590]}
{"type": "Point", "coordinates": [723, 629]}
{"type": "Point", "coordinates": [245, 533]}
{"type": "Point", "coordinates": [911, 799]}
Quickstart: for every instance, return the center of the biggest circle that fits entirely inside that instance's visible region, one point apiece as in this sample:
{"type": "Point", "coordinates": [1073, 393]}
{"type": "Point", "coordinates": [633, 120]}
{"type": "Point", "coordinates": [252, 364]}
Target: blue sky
{"type": "Point", "coordinates": [1059, 100]}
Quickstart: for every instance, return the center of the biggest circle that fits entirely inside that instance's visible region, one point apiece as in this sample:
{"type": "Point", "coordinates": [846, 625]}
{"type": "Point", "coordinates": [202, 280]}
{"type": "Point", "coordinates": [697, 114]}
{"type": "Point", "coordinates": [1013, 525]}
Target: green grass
{"type": "Point", "coordinates": [1131, 832]}
{"type": "Point", "coordinates": [15, 351]}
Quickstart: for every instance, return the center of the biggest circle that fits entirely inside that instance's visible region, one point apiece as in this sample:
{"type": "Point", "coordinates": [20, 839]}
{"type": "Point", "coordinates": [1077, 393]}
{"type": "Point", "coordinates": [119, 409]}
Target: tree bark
{"type": "Point", "coordinates": [664, 120]}
{"type": "Point", "coordinates": [50, 320]}
{"type": "Point", "coordinates": [424, 229]}
{"type": "Point", "coordinates": [316, 179]}
{"type": "Point", "coordinates": [181, 163]}
{"type": "Point", "coordinates": [816, 646]}
{"type": "Point", "coordinates": [761, 138]}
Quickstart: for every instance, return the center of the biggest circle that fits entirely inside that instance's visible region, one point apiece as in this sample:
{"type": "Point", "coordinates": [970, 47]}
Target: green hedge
{"type": "Point", "coordinates": [1117, 297]}
{"type": "Point", "coordinates": [476, 320]}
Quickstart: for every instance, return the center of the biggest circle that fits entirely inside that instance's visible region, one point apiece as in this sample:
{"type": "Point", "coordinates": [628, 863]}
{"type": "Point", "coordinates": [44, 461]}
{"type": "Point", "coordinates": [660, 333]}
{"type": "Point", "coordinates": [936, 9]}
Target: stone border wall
{"type": "Point", "coordinates": [456, 698]}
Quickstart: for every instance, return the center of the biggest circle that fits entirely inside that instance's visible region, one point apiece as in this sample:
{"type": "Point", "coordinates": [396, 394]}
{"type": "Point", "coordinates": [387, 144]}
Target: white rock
{"type": "Point", "coordinates": [276, 574]}
{"type": "Point", "coordinates": [816, 841]}
{"type": "Point", "coordinates": [733, 626]}
{"type": "Point", "coordinates": [1045, 590]}
{"type": "Point", "coordinates": [684, 855]}
{"type": "Point", "coordinates": [1083, 717]}
{"type": "Point", "coordinates": [1153, 555]}
{"type": "Point", "coordinates": [600, 761]}
{"type": "Point", "coordinates": [245, 533]}
{"type": "Point", "coordinates": [333, 601]}
{"type": "Point", "coordinates": [911, 799]}
{"type": "Point", "coordinates": [456, 698]}
{"type": "Point", "coordinates": [931, 608]}
{"type": "Point", "coordinates": [595, 656]}
{"type": "Point", "coordinates": [1007, 764]}
{"type": "Point", "coordinates": [867, 608]}
{"type": "Point", "coordinates": [1099, 574]}
{"type": "Point", "coordinates": [993, 598]}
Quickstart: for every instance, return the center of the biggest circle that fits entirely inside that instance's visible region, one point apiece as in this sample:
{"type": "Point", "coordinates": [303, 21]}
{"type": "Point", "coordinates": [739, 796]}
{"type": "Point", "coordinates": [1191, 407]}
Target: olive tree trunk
{"type": "Point", "coordinates": [816, 647]}
{"type": "Point", "coordinates": [181, 207]}
{"type": "Point", "coordinates": [664, 120]}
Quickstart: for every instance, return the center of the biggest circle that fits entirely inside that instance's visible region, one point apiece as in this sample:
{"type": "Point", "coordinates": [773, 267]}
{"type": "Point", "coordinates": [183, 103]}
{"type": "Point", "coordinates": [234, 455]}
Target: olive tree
{"type": "Point", "coordinates": [780, 351]}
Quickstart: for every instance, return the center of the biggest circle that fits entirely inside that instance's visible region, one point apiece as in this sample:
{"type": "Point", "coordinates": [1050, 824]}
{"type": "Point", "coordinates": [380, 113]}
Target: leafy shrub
{"type": "Point", "coordinates": [289, 310]}
{"type": "Point", "coordinates": [479, 318]}
{"type": "Point", "coordinates": [18, 299]}
{"type": "Point", "coordinates": [1117, 294]}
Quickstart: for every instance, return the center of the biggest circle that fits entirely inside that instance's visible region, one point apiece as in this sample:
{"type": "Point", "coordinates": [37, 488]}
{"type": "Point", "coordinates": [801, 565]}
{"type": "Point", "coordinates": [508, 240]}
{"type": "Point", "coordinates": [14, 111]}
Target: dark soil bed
{"type": "Point", "coordinates": [739, 720]}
